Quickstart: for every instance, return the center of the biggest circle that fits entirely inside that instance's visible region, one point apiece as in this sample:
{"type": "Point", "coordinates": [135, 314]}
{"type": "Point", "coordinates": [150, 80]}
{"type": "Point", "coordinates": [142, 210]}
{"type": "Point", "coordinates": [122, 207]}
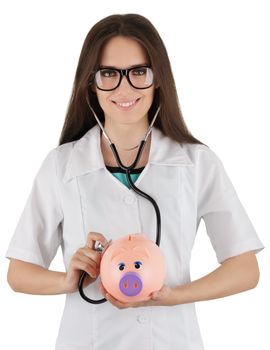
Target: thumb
{"type": "Point", "coordinates": [157, 295]}
{"type": "Point", "coordinates": [95, 236]}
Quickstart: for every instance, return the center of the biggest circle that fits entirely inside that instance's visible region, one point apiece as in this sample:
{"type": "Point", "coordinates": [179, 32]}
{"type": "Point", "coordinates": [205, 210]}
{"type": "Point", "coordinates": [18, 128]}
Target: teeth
{"type": "Point", "coordinates": [126, 104]}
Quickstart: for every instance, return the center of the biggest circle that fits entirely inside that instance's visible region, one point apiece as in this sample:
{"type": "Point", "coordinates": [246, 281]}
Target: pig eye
{"type": "Point", "coordinates": [121, 266]}
{"type": "Point", "coordinates": [137, 264]}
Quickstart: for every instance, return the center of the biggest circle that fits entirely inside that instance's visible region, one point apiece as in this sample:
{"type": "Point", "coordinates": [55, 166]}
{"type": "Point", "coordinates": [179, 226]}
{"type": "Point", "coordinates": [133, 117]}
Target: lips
{"type": "Point", "coordinates": [126, 104]}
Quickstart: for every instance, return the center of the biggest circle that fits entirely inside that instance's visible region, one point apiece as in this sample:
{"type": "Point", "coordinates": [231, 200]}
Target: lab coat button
{"type": "Point", "coordinates": [142, 319]}
{"type": "Point", "coordinates": [129, 199]}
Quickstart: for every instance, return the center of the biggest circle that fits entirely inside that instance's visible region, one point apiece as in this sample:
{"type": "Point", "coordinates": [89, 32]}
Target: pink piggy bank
{"type": "Point", "coordinates": [132, 268]}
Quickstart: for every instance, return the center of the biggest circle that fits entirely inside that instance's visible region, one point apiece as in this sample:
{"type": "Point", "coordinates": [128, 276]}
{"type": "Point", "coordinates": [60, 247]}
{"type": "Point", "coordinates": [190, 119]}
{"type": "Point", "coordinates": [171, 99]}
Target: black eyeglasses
{"type": "Point", "coordinates": [109, 78]}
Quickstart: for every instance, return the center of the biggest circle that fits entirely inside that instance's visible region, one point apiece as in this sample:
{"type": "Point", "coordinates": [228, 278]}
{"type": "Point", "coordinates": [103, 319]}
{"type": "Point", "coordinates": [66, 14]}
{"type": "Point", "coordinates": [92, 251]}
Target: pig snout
{"type": "Point", "coordinates": [130, 284]}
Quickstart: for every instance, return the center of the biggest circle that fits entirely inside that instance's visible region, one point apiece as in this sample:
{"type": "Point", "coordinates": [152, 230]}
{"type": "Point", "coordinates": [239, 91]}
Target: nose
{"type": "Point", "coordinates": [130, 284]}
{"type": "Point", "coordinates": [124, 84]}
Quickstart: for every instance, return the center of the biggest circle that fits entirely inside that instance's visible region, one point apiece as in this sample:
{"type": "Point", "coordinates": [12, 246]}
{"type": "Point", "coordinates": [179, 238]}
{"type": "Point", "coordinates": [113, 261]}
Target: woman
{"type": "Point", "coordinates": [80, 196]}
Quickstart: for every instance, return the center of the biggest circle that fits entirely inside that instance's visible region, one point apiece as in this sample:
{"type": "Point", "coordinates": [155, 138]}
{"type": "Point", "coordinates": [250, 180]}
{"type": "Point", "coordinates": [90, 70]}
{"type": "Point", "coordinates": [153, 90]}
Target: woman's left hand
{"type": "Point", "coordinates": [163, 297]}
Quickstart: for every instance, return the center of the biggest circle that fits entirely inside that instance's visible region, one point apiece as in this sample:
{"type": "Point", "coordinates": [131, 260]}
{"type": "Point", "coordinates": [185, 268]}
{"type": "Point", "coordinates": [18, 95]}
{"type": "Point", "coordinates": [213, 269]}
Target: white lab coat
{"type": "Point", "coordinates": [74, 194]}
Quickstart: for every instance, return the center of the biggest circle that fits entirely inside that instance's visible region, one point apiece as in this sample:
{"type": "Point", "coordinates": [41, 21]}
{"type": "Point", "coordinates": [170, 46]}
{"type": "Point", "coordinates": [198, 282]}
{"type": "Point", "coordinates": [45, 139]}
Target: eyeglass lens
{"type": "Point", "coordinates": [109, 78]}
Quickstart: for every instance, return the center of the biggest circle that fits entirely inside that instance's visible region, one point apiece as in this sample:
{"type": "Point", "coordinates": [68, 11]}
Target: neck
{"type": "Point", "coordinates": [126, 137]}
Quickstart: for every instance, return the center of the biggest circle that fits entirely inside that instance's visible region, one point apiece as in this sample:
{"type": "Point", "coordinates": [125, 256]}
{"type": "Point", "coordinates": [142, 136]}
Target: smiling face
{"type": "Point", "coordinates": [126, 104]}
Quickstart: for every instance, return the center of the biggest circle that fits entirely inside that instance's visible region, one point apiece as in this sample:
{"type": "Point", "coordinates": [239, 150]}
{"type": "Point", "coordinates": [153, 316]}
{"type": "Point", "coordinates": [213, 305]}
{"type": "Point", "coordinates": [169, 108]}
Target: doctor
{"type": "Point", "coordinates": [80, 195]}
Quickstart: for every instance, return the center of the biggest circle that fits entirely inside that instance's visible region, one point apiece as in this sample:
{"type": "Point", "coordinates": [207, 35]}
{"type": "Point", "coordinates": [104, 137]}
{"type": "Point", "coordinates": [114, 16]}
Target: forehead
{"type": "Point", "coordinates": [122, 52]}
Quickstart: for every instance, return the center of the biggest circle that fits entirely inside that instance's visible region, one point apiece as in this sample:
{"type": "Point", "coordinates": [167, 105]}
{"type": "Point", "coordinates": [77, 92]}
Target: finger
{"type": "Point", "coordinates": [160, 294]}
{"type": "Point", "coordinates": [83, 266]}
{"type": "Point", "coordinates": [122, 305]}
{"type": "Point", "coordinates": [79, 256]}
{"type": "Point", "coordinates": [116, 302]}
{"type": "Point", "coordinates": [91, 254]}
{"type": "Point", "coordinates": [92, 237]}
{"type": "Point", "coordinates": [83, 258]}
{"type": "Point", "coordinates": [156, 295]}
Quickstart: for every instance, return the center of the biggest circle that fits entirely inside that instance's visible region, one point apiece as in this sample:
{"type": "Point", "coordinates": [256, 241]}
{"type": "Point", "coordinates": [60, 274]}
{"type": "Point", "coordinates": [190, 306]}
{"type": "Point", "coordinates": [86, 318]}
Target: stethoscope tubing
{"type": "Point", "coordinates": [134, 188]}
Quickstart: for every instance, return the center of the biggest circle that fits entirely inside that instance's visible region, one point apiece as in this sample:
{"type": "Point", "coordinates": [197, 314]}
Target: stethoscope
{"type": "Point", "coordinates": [128, 170]}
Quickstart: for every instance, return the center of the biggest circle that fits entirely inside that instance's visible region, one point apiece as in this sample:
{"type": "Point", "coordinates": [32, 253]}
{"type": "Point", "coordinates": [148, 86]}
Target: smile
{"type": "Point", "coordinates": [126, 105]}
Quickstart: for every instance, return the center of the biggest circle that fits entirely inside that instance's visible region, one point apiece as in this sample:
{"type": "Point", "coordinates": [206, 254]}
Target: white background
{"type": "Point", "coordinates": [219, 52]}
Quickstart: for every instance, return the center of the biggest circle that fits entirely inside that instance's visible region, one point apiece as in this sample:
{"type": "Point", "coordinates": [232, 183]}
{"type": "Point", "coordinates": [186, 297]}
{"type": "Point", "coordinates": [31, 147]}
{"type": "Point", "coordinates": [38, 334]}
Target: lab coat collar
{"type": "Point", "coordinates": [86, 154]}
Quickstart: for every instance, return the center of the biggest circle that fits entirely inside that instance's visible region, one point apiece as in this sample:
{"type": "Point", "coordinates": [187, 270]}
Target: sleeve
{"type": "Point", "coordinates": [39, 230]}
{"type": "Point", "coordinates": [227, 224]}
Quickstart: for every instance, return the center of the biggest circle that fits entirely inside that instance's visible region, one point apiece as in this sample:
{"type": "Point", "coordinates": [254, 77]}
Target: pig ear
{"type": "Point", "coordinates": [142, 250]}
{"type": "Point", "coordinates": [118, 252]}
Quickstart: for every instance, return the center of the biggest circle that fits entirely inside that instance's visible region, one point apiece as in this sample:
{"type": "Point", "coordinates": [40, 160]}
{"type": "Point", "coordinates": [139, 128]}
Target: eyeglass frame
{"type": "Point", "coordinates": [122, 72]}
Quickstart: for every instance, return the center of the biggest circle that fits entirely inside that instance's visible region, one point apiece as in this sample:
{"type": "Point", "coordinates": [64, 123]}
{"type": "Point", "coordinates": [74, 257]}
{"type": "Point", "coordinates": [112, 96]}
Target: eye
{"type": "Point", "coordinates": [108, 73]}
{"type": "Point", "coordinates": [137, 264]}
{"type": "Point", "coordinates": [139, 71]}
{"type": "Point", "coordinates": [121, 266]}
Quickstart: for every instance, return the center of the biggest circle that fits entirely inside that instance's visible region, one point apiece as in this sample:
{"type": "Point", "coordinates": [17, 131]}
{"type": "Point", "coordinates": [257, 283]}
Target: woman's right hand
{"type": "Point", "coordinates": [85, 259]}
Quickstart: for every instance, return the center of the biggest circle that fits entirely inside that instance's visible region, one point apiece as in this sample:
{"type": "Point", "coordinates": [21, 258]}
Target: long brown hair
{"type": "Point", "coordinates": [79, 118]}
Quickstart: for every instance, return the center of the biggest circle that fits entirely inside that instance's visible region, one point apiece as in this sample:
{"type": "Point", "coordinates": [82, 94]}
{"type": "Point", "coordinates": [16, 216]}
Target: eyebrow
{"type": "Point", "coordinates": [129, 67]}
